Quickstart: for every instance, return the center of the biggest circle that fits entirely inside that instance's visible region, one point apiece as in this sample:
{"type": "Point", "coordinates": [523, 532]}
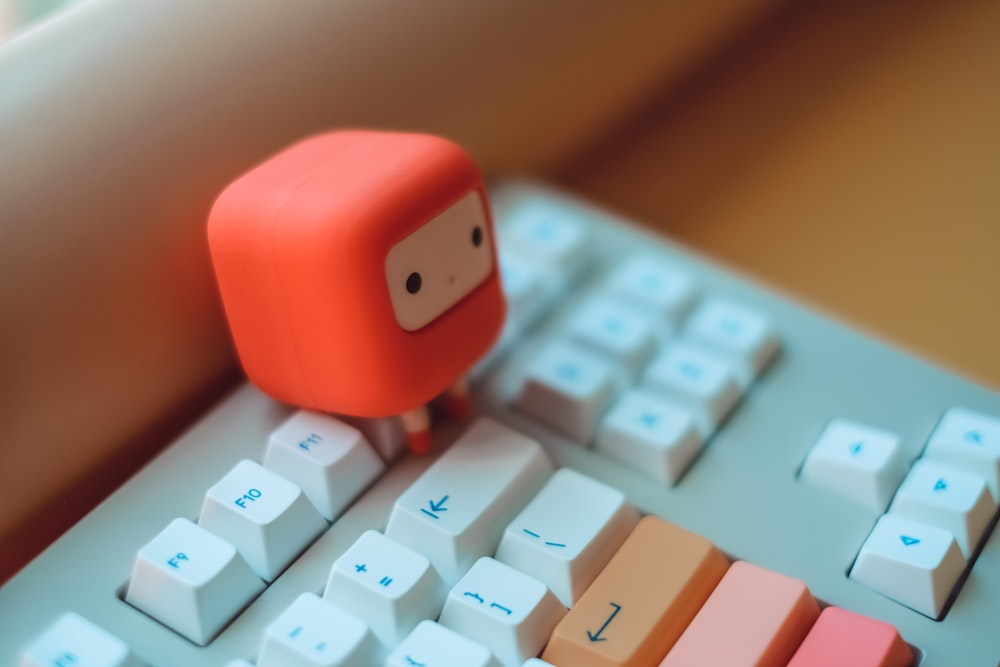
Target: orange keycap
{"type": "Point", "coordinates": [641, 602]}
{"type": "Point", "coordinates": [754, 617]}
{"type": "Point", "coordinates": [842, 637]}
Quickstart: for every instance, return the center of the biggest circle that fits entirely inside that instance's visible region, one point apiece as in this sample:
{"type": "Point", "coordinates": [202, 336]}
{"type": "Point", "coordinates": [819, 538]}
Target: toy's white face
{"type": "Point", "coordinates": [430, 270]}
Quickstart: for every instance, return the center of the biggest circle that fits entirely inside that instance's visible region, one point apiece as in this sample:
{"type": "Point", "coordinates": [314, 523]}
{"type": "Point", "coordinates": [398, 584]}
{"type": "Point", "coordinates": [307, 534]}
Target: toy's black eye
{"type": "Point", "coordinates": [477, 236]}
{"type": "Point", "coordinates": [413, 283]}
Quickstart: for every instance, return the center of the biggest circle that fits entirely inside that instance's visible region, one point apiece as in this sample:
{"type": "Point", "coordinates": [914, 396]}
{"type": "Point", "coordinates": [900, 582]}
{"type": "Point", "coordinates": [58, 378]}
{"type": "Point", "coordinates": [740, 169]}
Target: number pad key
{"type": "Point", "coordinates": [314, 633]}
{"type": "Point", "coordinates": [649, 284]}
{"type": "Point", "coordinates": [390, 587]}
{"type": "Point", "coordinates": [746, 338]}
{"type": "Point", "coordinates": [622, 334]}
{"type": "Point", "coordinates": [697, 379]}
{"type": "Point", "coordinates": [567, 533]}
{"type": "Point", "coordinates": [191, 581]}
{"type": "Point", "coordinates": [650, 435]}
{"type": "Point", "coordinates": [549, 234]}
{"type": "Point", "coordinates": [568, 389]}
{"type": "Point", "coordinates": [266, 517]}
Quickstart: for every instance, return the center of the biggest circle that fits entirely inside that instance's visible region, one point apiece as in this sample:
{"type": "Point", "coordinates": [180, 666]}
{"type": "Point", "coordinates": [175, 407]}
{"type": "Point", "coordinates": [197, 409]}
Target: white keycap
{"type": "Point", "coordinates": [652, 284]}
{"type": "Point", "coordinates": [536, 662]}
{"type": "Point", "coordinates": [651, 435]}
{"type": "Point", "coordinates": [697, 379]}
{"type": "Point", "coordinates": [503, 609]}
{"type": "Point", "coordinates": [528, 289]}
{"type": "Point", "coordinates": [387, 585]}
{"type": "Point", "coordinates": [524, 286]}
{"type": "Point", "coordinates": [568, 389]}
{"type": "Point", "coordinates": [567, 533]}
{"type": "Point", "coordinates": [947, 497]}
{"type": "Point", "coordinates": [858, 461]}
{"type": "Point", "coordinates": [433, 645]}
{"type": "Point", "coordinates": [73, 641]}
{"type": "Point", "coordinates": [969, 440]}
{"type": "Point", "coordinates": [622, 334]}
{"type": "Point", "coordinates": [238, 663]}
{"type": "Point", "coordinates": [329, 460]}
{"type": "Point", "coordinates": [314, 633]}
{"type": "Point", "coordinates": [742, 335]}
{"type": "Point", "coordinates": [548, 233]}
{"type": "Point", "coordinates": [267, 518]}
{"type": "Point", "coordinates": [457, 510]}
{"type": "Point", "coordinates": [913, 563]}
{"type": "Point", "coordinates": [191, 581]}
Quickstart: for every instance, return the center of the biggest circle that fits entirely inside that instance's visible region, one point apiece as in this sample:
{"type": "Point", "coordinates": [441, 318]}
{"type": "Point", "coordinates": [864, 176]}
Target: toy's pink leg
{"type": "Point", "coordinates": [456, 401]}
{"type": "Point", "coordinates": [417, 424]}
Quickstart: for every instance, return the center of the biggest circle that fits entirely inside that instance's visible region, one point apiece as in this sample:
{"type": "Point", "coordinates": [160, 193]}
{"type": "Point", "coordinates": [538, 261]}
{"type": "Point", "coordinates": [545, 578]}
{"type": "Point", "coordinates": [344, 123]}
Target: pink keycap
{"type": "Point", "coordinates": [754, 617]}
{"type": "Point", "coordinates": [841, 637]}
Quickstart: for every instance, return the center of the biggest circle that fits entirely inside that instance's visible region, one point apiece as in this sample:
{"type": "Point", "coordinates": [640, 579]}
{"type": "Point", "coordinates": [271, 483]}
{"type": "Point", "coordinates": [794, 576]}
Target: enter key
{"type": "Point", "coordinates": [641, 602]}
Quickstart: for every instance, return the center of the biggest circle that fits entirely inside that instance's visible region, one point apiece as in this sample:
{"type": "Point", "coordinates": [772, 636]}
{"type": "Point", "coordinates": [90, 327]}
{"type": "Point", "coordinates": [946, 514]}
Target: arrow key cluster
{"type": "Point", "coordinates": [939, 518]}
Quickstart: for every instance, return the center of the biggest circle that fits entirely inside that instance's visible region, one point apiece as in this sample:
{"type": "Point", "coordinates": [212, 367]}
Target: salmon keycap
{"type": "Point", "coordinates": [754, 618]}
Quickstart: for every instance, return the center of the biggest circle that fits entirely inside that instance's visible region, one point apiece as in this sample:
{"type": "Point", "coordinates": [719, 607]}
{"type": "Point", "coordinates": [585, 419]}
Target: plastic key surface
{"type": "Point", "coordinates": [191, 580]}
{"type": "Point", "coordinates": [650, 434]}
{"type": "Point", "coordinates": [567, 388]}
{"type": "Point", "coordinates": [314, 633]}
{"type": "Point", "coordinates": [754, 617]}
{"type": "Point", "coordinates": [549, 234]}
{"type": "Point", "coordinates": [622, 334]}
{"type": "Point", "coordinates": [840, 637]}
{"type": "Point", "coordinates": [505, 610]}
{"type": "Point", "coordinates": [331, 461]}
{"type": "Point", "coordinates": [73, 641]}
{"type": "Point", "coordinates": [859, 462]}
{"type": "Point", "coordinates": [647, 283]}
{"type": "Point", "coordinates": [387, 585]}
{"type": "Point", "coordinates": [567, 533]}
{"type": "Point", "coordinates": [266, 517]}
{"type": "Point", "coordinates": [740, 334]}
{"type": "Point", "coordinates": [969, 440]}
{"type": "Point", "coordinates": [911, 562]}
{"type": "Point", "coordinates": [642, 601]}
{"type": "Point", "coordinates": [949, 498]}
{"type": "Point", "coordinates": [457, 510]}
{"type": "Point", "coordinates": [433, 645]}
{"type": "Point", "coordinates": [698, 379]}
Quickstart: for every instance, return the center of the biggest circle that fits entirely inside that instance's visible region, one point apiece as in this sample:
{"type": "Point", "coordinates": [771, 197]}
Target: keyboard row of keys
{"type": "Point", "coordinates": [195, 578]}
{"type": "Point", "coordinates": [564, 541]}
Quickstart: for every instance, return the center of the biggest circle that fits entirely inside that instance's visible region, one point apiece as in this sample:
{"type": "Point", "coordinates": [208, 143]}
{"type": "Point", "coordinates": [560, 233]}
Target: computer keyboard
{"type": "Point", "coordinates": [662, 457]}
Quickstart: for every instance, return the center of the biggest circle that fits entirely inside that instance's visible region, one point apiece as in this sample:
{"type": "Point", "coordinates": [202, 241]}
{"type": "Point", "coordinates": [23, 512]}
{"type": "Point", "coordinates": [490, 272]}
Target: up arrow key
{"type": "Point", "coordinates": [940, 485]}
{"type": "Point", "coordinates": [909, 541]}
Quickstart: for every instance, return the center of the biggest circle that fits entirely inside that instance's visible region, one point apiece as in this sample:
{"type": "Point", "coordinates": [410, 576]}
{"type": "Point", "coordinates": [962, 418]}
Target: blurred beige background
{"type": "Point", "coordinates": [844, 152]}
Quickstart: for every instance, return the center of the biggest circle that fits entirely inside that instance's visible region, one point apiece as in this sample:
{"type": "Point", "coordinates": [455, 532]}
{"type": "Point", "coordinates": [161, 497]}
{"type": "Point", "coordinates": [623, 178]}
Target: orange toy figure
{"type": "Point", "coordinates": [359, 276]}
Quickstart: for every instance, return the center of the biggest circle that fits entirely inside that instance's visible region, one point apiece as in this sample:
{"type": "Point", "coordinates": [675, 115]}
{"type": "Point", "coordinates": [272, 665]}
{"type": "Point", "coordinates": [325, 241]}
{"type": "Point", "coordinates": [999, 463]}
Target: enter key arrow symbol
{"type": "Point", "coordinates": [596, 636]}
{"type": "Point", "coordinates": [435, 507]}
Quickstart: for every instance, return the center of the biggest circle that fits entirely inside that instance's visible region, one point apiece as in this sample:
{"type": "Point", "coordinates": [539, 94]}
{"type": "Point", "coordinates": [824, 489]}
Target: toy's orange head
{"type": "Point", "coordinates": [358, 271]}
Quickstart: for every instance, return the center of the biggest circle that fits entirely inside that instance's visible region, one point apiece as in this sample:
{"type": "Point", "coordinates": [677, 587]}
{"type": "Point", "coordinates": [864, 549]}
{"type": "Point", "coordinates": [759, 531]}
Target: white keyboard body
{"type": "Point", "coordinates": [744, 491]}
